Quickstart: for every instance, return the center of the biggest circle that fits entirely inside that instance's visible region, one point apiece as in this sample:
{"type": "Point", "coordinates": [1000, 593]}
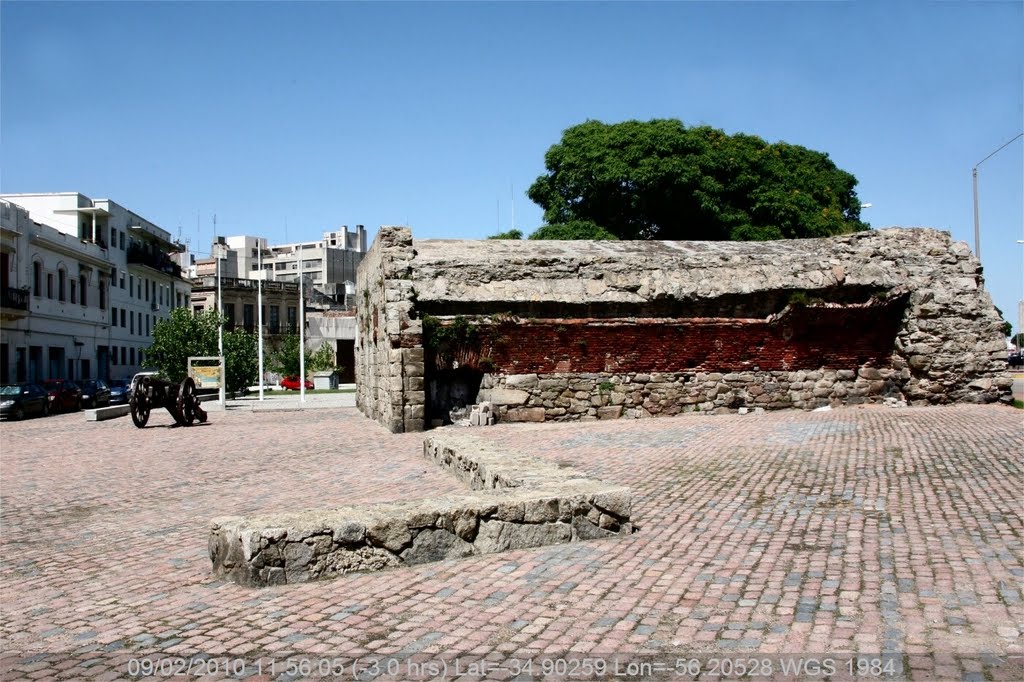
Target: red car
{"type": "Point", "coordinates": [64, 395]}
{"type": "Point", "coordinates": [292, 384]}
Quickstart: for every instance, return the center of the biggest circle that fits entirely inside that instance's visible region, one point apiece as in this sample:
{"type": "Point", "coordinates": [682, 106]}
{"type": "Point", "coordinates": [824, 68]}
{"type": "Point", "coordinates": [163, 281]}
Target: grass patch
{"type": "Point", "coordinates": [1019, 404]}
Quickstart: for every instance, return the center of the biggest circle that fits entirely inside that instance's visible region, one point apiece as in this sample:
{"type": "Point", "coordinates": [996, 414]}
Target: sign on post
{"type": "Point", "coordinates": [207, 371]}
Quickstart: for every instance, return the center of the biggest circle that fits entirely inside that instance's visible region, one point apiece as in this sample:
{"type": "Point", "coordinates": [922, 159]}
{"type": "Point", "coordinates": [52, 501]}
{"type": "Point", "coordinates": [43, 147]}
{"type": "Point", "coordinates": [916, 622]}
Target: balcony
{"type": "Point", "coordinates": [138, 255]}
{"type": "Point", "coordinates": [14, 303]}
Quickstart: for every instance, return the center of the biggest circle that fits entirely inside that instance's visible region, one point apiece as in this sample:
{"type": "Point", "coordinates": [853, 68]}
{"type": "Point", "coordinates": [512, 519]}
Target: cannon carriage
{"type": "Point", "coordinates": [181, 401]}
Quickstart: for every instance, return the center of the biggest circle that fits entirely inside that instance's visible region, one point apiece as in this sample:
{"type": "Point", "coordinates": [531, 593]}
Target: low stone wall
{"type": "Point", "coordinates": [578, 397]}
{"type": "Point", "coordinates": [518, 501]}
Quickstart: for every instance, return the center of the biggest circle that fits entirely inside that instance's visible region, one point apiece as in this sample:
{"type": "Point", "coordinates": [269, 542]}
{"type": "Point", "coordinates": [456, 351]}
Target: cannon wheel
{"type": "Point", "coordinates": [186, 413]}
{"type": "Point", "coordinates": [139, 406]}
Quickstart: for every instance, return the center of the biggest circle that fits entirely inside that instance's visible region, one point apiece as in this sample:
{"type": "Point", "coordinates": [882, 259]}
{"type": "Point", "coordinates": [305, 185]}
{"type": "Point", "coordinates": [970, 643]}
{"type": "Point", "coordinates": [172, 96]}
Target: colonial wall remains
{"type": "Point", "coordinates": [389, 377]}
{"type": "Point", "coordinates": [576, 330]}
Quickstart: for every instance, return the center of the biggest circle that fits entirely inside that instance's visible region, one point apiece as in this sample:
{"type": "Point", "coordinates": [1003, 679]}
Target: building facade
{"type": "Point", "coordinates": [87, 281]}
{"type": "Point", "coordinates": [328, 264]}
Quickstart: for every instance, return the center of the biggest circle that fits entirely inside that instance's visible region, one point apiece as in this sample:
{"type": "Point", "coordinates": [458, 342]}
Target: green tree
{"type": "Point", "coordinates": [284, 359]}
{"type": "Point", "coordinates": [186, 334]}
{"type": "Point", "coordinates": [322, 359]}
{"type": "Point", "coordinates": [661, 180]}
{"type": "Point", "coordinates": [510, 234]}
{"type": "Point", "coordinates": [574, 229]}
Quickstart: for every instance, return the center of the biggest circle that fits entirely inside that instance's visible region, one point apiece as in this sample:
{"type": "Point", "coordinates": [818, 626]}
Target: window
{"type": "Point", "coordinates": [229, 316]}
{"type": "Point", "coordinates": [121, 239]}
{"type": "Point", "coordinates": [122, 317]}
{"type": "Point", "coordinates": [113, 355]}
{"type": "Point", "coordinates": [62, 280]}
{"type": "Point", "coordinates": [275, 319]}
{"type": "Point", "coordinates": [103, 295]}
{"type": "Point", "coordinates": [122, 279]}
{"type": "Point", "coordinates": [142, 356]}
{"type": "Point", "coordinates": [161, 294]}
{"type": "Point", "coordinates": [131, 355]}
{"type": "Point", "coordinates": [49, 285]}
{"type": "Point", "coordinates": [74, 291]}
{"type": "Point", "coordinates": [37, 278]}
{"type": "Point", "coordinates": [124, 356]}
{"type": "Point", "coordinates": [248, 312]}
{"type": "Point", "coordinates": [147, 325]}
{"type": "Point", "coordinates": [83, 287]}
{"type": "Point", "coordinates": [147, 289]}
{"type": "Point", "coordinates": [113, 316]}
{"type": "Point", "coordinates": [131, 285]}
{"type": "Point", "coordinates": [140, 324]}
{"type": "Point", "coordinates": [131, 322]}
{"type": "Point", "coordinates": [292, 317]}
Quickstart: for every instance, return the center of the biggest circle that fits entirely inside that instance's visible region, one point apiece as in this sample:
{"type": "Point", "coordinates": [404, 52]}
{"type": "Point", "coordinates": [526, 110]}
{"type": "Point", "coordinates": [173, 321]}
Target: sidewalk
{"type": "Point", "coordinates": [274, 400]}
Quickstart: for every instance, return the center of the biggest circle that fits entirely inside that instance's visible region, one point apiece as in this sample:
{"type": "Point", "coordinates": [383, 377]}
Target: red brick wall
{"type": "Point", "coordinates": [807, 339]}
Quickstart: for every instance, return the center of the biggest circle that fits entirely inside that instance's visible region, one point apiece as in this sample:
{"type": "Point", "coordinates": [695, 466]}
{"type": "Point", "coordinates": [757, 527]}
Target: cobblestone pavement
{"type": "Point", "coordinates": [776, 538]}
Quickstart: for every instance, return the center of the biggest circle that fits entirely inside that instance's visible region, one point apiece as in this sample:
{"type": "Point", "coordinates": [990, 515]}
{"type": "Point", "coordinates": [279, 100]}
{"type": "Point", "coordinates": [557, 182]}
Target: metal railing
{"type": "Point", "coordinates": [14, 298]}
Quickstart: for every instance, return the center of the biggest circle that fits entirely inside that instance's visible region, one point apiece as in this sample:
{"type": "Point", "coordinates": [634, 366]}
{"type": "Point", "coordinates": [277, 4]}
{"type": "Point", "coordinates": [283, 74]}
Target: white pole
{"type": "Point", "coordinates": [259, 313]}
{"type": "Point", "coordinates": [220, 330]}
{"type": "Point", "coordinates": [302, 335]}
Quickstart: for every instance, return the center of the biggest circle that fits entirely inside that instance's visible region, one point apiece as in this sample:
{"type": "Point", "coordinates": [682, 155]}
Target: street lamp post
{"type": "Point", "coordinates": [259, 311]}
{"type": "Point", "coordinates": [302, 335]}
{"type": "Point", "coordinates": [974, 175]}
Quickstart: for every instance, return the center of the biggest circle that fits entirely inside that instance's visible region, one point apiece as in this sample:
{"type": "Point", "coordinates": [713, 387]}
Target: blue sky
{"type": "Point", "coordinates": [314, 115]}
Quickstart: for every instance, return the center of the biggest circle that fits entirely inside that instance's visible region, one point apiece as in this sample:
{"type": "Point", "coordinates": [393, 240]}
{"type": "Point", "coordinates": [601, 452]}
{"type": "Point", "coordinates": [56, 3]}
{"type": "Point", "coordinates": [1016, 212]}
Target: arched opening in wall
{"type": "Point", "coordinates": [450, 389]}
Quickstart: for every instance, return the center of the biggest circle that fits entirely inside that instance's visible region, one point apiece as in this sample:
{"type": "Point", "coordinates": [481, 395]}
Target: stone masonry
{"type": "Point", "coordinates": [553, 330]}
{"type": "Point", "coordinates": [518, 501]}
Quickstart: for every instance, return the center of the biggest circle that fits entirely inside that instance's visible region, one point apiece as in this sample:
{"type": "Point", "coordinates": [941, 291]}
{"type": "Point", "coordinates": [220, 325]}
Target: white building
{"type": "Point", "coordinates": [99, 277]}
{"type": "Point", "coordinates": [329, 263]}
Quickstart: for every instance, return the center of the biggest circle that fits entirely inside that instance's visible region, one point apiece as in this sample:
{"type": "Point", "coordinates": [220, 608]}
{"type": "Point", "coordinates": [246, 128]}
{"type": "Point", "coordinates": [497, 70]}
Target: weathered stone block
{"type": "Point", "coordinates": [436, 545]}
{"type": "Point", "coordinates": [498, 536]}
{"type": "Point", "coordinates": [524, 414]}
{"type": "Point", "coordinates": [610, 412]}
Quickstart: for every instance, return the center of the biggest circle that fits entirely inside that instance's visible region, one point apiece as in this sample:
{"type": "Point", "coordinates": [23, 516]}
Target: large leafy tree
{"type": "Point", "coordinates": [186, 334]}
{"type": "Point", "coordinates": [662, 180]}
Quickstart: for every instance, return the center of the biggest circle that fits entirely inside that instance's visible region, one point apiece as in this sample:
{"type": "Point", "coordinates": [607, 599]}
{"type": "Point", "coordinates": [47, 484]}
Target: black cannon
{"type": "Point", "coordinates": [179, 399]}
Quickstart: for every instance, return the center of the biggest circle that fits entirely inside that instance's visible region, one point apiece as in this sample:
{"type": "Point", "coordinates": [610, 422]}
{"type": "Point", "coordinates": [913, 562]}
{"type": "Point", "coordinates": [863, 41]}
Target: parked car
{"type": "Point", "coordinates": [65, 395]}
{"type": "Point", "coordinates": [292, 384]}
{"type": "Point", "coordinates": [18, 401]}
{"type": "Point", "coordinates": [95, 393]}
{"type": "Point", "coordinates": [120, 391]}
{"type": "Point", "coordinates": [1015, 358]}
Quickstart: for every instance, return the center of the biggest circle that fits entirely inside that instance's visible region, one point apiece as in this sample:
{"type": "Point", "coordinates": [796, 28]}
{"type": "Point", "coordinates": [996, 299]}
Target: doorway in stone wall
{"type": "Point", "coordinates": [448, 389]}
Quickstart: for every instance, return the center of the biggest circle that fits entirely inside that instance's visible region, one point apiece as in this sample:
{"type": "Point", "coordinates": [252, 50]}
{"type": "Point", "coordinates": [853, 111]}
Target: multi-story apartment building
{"type": "Point", "coordinates": [98, 277]}
{"type": "Point", "coordinates": [328, 264]}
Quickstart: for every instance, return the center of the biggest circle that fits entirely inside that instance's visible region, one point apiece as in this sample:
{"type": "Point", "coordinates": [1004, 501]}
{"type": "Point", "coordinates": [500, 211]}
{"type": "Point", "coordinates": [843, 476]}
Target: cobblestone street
{"type": "Point", "coordinates": [785, 534]}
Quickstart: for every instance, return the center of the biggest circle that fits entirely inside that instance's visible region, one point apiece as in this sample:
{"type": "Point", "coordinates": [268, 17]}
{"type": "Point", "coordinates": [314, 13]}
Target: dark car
{"type": "Point", "coordinates": [95, 393]}
{"type": "Point", "coordinates": [292, 384]}
{"type": "Point", "coordinates": [65, 396]}
{"type": "Point", "coordinates": [18, 401]}
{"type": "Point", "coordinates": [120, 391]}
{"type": "Point", "coordinates": [1015, 359]}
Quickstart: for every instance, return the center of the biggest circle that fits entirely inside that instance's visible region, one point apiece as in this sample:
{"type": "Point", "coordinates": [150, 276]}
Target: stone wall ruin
{"type": "Point", "coordinates": [556, 330]}
{"type": "Point", "coordinates": [516, 501]}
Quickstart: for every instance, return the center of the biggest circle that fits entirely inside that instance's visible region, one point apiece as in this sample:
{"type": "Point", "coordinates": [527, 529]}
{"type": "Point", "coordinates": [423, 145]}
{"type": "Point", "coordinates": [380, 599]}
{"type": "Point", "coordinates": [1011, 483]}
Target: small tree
{"type": "Point", "coordinates": [511, 234]}
{"type": "Point", "coordinates": [574, 229]}
{"type": "Point", "coordinates": [186, 334]}
{"type": "Point", "coordinates": [284, 359]}
{"type": "Point", "coordinates": [322, 359]}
